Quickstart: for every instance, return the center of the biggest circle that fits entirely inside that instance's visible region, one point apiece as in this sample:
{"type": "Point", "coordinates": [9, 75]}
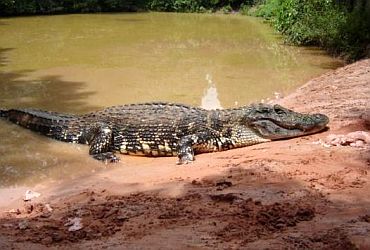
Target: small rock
{"type": "Point", "coordinates": [357, 139]}
{"type": "Point", "coordinates": [320, 142]}
{"type": "Point", "coordinates": [23, 225]}
{"type": "Point", "coordinates": [30, 195]}
{"type": "Point", "coordinates": [74, 224]}
{"type": "Point", "coordinates": [360, 135]}
{"type": "Point", "coordinates": [48, 207]}
{"type": "Point", "coordinates": [357, 144]}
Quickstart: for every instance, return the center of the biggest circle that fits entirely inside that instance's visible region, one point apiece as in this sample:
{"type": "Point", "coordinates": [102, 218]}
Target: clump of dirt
{"type": "Point", "coordinates": [254, 220]}
{"type": "Point", "coordinates": [331, 239]}
{"type": "Point", "coordinates": [141, 214]}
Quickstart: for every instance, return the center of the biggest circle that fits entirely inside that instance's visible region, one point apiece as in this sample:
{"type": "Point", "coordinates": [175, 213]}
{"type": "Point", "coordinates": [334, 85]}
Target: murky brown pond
{"type": "Point", "coordinates": [79, 63]}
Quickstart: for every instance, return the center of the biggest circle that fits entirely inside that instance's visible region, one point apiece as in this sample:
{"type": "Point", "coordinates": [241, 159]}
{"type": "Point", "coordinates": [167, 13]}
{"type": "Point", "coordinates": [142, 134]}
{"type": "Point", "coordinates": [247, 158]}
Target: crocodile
{"type": "Point", "coordinates": [168, 129]}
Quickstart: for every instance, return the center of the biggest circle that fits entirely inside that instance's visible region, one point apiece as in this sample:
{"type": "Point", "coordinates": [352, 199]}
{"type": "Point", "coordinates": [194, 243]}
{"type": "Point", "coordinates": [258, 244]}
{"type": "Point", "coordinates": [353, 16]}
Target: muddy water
{"type": "Point", "coordinates": [79, 63]}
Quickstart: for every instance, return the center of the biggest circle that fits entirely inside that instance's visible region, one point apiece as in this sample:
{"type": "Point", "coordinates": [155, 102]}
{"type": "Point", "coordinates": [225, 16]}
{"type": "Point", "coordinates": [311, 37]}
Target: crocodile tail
{"type": "Point", "coordinates": [40, 121]}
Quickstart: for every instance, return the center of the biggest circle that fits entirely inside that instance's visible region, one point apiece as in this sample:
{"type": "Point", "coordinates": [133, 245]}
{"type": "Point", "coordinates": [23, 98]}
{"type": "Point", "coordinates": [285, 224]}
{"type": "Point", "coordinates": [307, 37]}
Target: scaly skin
{"type": "Point", "coordinates": [166, 129]}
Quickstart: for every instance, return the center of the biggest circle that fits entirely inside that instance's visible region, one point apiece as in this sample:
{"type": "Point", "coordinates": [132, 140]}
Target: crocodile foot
{"type": "Point", "coordinates": [185, 159]}
{"type": "Point", "coordinates": [107, 157]}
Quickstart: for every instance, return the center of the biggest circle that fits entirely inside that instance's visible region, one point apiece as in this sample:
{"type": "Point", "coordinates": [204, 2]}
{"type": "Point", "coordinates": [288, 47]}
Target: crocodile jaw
{"type": "Point", "coordinates": [274, 131]}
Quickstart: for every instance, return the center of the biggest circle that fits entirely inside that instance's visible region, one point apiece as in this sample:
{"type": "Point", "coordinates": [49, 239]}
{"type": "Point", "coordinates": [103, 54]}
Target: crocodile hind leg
{"type": "Point", "coordinates": [101, 142]}
{"type": "Point", "coordinates": [205, 141]}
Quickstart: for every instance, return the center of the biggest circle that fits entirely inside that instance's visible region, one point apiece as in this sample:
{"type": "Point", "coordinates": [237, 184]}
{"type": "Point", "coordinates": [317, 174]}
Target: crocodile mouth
{"type": "Point", "coordinates": [274, 129]}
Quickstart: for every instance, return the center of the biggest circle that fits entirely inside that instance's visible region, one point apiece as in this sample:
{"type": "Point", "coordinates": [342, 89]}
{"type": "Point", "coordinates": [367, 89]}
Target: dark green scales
{"type": "Point", "coordinates": [166, 129]}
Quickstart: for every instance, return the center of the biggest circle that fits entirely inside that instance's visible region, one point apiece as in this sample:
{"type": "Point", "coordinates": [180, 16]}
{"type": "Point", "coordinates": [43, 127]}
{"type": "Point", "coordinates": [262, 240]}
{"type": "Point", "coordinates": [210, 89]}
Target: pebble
{"type": "Point", "coordinates": [30, 195]}
{"type": "Point", "coordinates": [23, 225]}
{"type": "Point", "coordinates": [74, 224]}
{"type": "Point", "coordinates": [357, 139]}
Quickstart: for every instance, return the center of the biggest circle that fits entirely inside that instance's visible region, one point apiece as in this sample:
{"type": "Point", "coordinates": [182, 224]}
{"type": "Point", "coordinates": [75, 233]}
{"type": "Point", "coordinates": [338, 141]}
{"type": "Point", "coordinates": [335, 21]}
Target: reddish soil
{"type": "Point", "coordinates": [298, 193]}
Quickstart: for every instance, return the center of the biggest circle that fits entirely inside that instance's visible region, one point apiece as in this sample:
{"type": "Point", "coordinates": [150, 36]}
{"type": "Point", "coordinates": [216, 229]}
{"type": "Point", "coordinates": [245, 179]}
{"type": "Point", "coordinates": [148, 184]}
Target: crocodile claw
{"type": "Point", "coordinates": [107, 157]}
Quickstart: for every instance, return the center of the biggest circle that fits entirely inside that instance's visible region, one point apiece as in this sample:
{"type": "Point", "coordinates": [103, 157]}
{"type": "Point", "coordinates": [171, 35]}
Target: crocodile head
{"type": "Point", "coordinates": [276, 122]}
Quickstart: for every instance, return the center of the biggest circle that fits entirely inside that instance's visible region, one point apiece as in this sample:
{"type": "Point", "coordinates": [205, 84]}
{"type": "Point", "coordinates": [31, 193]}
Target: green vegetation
{"type": "Point", "coordinates": [31, 7]}
{"type": "Point", "coordinates": [341, 27]}
{"type": "Point", "coordinates": [225, 6]}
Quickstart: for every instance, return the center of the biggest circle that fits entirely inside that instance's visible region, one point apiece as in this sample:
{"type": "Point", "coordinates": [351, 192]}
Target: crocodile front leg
{"type": "Point", "coordinates": [101, 142]}
{"type": "Point", "coordinates": [205, 141]}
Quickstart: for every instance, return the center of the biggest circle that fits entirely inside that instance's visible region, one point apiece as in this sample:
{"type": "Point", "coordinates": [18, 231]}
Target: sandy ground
{"type": "Point", "coordinates": [298, 193]}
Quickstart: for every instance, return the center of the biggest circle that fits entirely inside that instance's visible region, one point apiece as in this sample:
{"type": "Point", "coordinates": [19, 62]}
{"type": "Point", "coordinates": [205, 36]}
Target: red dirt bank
{"type": "Point", "coordinates": [286, 194]}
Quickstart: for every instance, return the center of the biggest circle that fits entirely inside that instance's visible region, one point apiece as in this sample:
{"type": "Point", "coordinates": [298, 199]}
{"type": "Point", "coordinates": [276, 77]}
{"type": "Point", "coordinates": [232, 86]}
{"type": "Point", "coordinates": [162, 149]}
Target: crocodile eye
{"type": "Point", "coordinates": [279, 111]}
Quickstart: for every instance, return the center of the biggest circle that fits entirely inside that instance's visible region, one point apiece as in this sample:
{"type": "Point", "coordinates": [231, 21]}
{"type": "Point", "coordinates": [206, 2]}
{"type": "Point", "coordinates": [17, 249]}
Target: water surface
{"type": "Point", "coordinates": [79, 63]}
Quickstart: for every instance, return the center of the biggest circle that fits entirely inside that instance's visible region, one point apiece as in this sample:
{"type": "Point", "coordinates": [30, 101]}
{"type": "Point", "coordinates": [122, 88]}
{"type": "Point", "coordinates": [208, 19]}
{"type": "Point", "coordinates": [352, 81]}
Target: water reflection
{"type": "Point", "coordinates": [210, 97]}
